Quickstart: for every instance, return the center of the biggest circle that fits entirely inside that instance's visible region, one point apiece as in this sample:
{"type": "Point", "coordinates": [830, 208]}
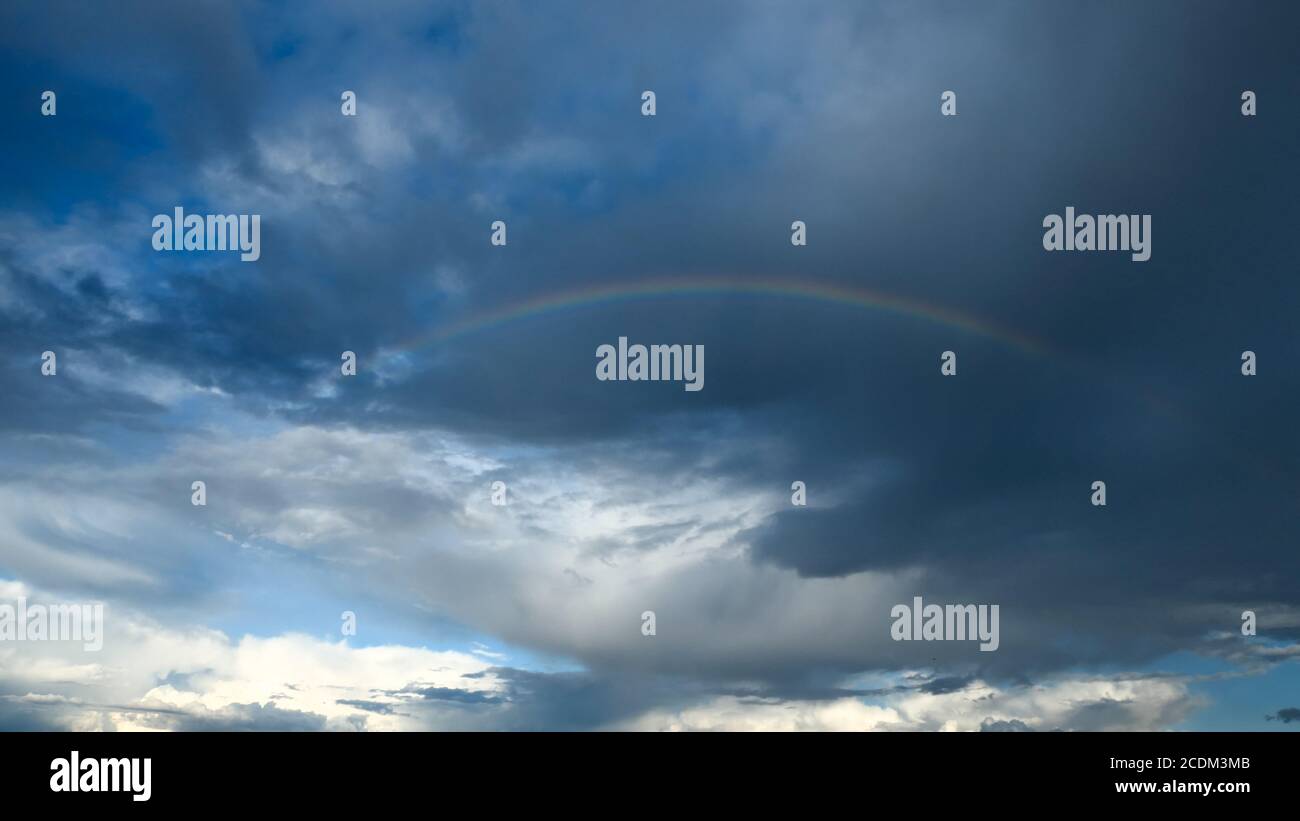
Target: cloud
{"type": "Point", "coordinates": [582, 549]}
{"type": "Point", "coordinates": [152, 676]}
{"type": "Point", "coordinates": [1063, 704]}
{"type": "Point", "coordinates": [155, 676]}
{"type": "Point", "coordinates": [476, 363]}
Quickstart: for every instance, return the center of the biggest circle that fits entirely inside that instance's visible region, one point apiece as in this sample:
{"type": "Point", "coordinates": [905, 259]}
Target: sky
{"type": "Point", "coordinates": [372, 495]}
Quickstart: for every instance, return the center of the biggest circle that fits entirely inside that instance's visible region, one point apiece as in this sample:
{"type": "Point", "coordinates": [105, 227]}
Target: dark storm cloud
{"type": "Point", "coordinates": [1285, 715]}
{"type": "Point", "coordinates": [534, 700]}
{"type": "Point", "coordinates": [249, 718]}
{"type": "Point", "coordinates": [950, 684]}
{"type": "Point", "coordinates": [21, 716]}
{"type": "Point", "coordinates": [69, 322]}
{"type": "Point", "coordinates": [451, 694]}
{"type": "Point", "coordinates": [576, 700]}
{"type": "Point", "coordinates": [1013, 726]}
{"type": "Point", "coordinates": [369, 706]}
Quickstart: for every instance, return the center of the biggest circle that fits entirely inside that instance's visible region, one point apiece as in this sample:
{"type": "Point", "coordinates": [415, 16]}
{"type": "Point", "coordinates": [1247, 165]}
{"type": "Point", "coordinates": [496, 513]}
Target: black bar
{"type": "Point", "coordinates": [331, 771]}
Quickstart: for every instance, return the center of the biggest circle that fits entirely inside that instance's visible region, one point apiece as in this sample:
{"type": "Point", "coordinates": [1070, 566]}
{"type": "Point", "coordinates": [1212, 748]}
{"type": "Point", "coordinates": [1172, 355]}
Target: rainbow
{"type": "Point", "coordinates": [724, 286]}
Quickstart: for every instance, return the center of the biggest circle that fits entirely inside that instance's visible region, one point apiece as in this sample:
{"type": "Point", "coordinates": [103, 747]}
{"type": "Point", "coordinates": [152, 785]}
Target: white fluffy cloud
{"type": "Point", "coordinates": [1066, 704]}
{"type": "Point", "coordinates": [153, 676]}
{"type": "Point", "coordinates": [150, 677]}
